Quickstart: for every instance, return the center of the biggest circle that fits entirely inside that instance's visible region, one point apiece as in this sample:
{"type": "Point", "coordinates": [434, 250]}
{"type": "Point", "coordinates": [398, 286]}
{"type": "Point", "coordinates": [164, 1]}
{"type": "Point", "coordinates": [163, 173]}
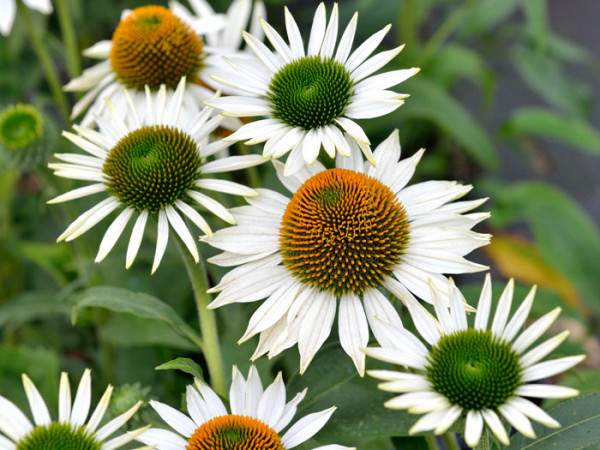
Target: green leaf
{"type": "Point", "coordinates": [580, 426]}
{"type": "Point", "coordinates": [547, 77]}
{"type": "Point", "coordinates": [545, 123]}
{"type": "Point", "coordinates": [39, 364]}
{"type": "Point", "coordinates": [31, 306]}
{"type": "Point", "coordinates": [332, 380]}
{"type": "Point", "coordinates": [536, 12]}
{"type": "Point", "coordinates": [453, 62]}
{"type": "Point", "coordinates": [432, 103]}
{"type": "Point", "coordinates": [567, 236]}
{"type": "Point", "coordinates": [486, 14]}
{"type": "Point", "coordinates": [138, 304]}
{"type": "Point", "coordinates": [185, 365]}
{"type": "Point", "coordinates": [125, 330]}
{"type": "Point", "coordinates": [53, 258]}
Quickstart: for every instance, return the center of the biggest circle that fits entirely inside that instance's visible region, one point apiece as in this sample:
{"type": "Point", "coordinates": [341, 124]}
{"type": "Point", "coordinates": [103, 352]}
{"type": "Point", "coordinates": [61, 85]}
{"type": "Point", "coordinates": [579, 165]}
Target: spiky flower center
{"type": "Point", "coordinates": [343, 231]}
{"type": "Point", "coordinates": [234, 433]}
{"type": "Point", "coordinates": [58, 436]}
{"type": "Point", "coordinates": [153, 46]}
{"type": "Point", "coordinates": [474, 369]}
{"type": "Point", "coordinates": [310, 92]}
{"type": "Point", "coordinates": [20, 125]}
{"type": "Point", "coordinates": [152, 167]}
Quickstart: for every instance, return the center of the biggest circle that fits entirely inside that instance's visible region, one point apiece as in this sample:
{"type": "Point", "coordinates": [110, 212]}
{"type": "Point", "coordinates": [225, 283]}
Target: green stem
{"type": "Point", "coordinates": [431, 442]}
{"type": "Point", "coordinates": [208, 320]}
{"type": "Point", "coordinates": [450, 441]}
{"type": "Point", "coordinates": [452, 23]}
{"type": "Point", "coordinates": [484, 442]}
{"type": "Point", "coordinates": [43, 56]}
{"type": "Point", "coordinates": [408, 22]}
{"type": "Point", "coordinates": [68, 35]}
{"type": "Point", "coordinates": [252, 172]}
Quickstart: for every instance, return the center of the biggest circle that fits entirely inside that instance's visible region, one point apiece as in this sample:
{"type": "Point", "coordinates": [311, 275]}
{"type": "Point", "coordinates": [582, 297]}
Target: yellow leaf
{"type": "Point", "coordinates": [522, 260]}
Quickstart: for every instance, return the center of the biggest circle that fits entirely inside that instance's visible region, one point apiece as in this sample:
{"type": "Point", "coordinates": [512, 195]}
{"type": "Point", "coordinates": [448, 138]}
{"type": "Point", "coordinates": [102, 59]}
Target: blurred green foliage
{"type": "Point", "coordinates": [57, 311]}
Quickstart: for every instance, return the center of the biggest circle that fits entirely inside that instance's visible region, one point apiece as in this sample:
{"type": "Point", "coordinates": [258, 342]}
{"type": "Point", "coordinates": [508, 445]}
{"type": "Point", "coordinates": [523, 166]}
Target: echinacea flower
{"type": "Point", "coordinates": [256, 420]}
{"type": "Point", "coordinates": [9, 11]}
{"type": "Point", "coordinates": [309, 98]}
{"type": "Point", "coordinates": [73, 428]}
{"type": "Point", "coordinates": [151, 47]}
{"type": "Point", "coordinates": [26, 136]}
{"type": "Point", "coordinates": [480, 373]}
{"type": "Point", "coordinates": [150, 162]}
{"type": "Point", "coordinates": [346, 234]}
{"type": "Point", "coordinates": [225, 40]}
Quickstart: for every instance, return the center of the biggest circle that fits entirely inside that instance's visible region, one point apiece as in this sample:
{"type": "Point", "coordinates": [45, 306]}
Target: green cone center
{"type": "Point", "coordinates": [58, 436]}
{"type": "Point", "coordinates": [310, 92]}
{"type": "Point", "coordinates": [343, 231]}
{"type": "Point", "coordinates": [20, 125]}
{"type": "Point", "coordinates": [234, 432]}
{"type": "Point", "coordinates": [474, 369]}
{"type": "Point", "coordinates": [152, 167]}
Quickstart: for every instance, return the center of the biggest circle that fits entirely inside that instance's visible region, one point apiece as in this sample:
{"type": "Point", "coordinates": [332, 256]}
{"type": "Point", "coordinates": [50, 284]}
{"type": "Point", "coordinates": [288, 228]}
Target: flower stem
{"type": "Point", "coordinates": [484, 442]}
{"type": "Point", "coordinates": [43, 56]}
{"type": "Point", "coordinates": [68, 35]}
{"type": "Point", "coordinates": [431, 442]}
{"type": "Point", "coordinates": [450, 441]}
{"type": "Point", "coordinates": [207, 318]}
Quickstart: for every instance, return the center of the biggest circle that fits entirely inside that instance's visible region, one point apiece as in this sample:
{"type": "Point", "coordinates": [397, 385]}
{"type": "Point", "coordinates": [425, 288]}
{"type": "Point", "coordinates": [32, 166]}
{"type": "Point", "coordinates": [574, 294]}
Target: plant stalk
{"type": "Point", "coordinates": [68, 34]}
{"type": "Point", "coordinates": [207, 318]}
{"type": "Point", "coordinates": [43, 55]}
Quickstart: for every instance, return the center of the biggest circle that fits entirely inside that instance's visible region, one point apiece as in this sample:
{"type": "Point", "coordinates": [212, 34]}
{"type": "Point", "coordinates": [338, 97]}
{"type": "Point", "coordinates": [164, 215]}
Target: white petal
{"type": "Point", "coordinates": [484, 305]}
{"type": "Point", "coordinates": [64, 399]}
{"type": "Point", "coordinates": [345, 45]}
{"type": "Point", "coordinates": [182, 231]}
{"type": "Point", "coordinates": [213, 403]}
{"type": "Point", "coordinates": [83, 399]}
{"type": "Point", "coordinates": [548, 368]}
{"type": "Point", "coordinates": [503, 308]}
{"type": "Point", "coordinates": [533, 411]}
{"type": "Point", "coordinates": [316, 327]}
{"type": "Point", "coordinates": [473, 428]}
{"type": "Point", "coordinates": [162, 238]}
{"type": "Point", "coordinates": [162, 439]}
{"type": "Point", "coordinates": [113, 232]}
{"type": "Point", "coordinates": [535, 330]}
{"type": "Point", "coordinates": [79, 193]}
{"type": "Point", "coordinates": [272, 402]}
{"type": "Point", "coordinates": [175, 419]}
{"type": "Point", "coordinates": [540, 351]}
{"type": "Point", "coordinates": [353, 330]}
{"type": "Point", "coordinates": [493, 422]}
{"type": "Point", "coordinates": [326, 50]}
{"type": "Point", "coordinates": [519, 317]}
{"type": "Point", "coordinates": [517, 419]}
{"type": "Point", "coordinates": [196, 406]}
{"type": "Point", "coordinates": [366, 48]}
{"type": "Point", "coordinates": [317, 31]}
{"type": "Point", "coordinates": [546, 391]}
{"type": "Point", "coordinates": [306, 428]}
{"type": "Point", "coordinates": [136, 238]}
{"type": "Point", "coordinates": [98, 413]}
{"type": "Point", "coordinates": [37, 405]}
{"type": "Point", "coordinates": [212, 205]}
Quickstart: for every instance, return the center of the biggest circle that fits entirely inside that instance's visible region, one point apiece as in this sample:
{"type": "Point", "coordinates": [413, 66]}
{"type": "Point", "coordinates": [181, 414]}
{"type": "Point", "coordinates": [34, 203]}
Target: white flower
{"type": "Point", "coordinates": [480, 373]}
{"type": "Point", "coordinates": [310, 98]}
{"type": "Point", "coordinates": [71, 429]}
{"type": "Point", "coordinates": [150, 46]}
{"type": "Point", "coordinates": [346, 234]}
{"type": "Point", "coordinates": [257, 415]}
{"type": "Point", "coordinates": [223, 38]}
{"type": "Point", "coordinates": [9, 11]}
{"type": "Point", "coordinates": [151, 161]}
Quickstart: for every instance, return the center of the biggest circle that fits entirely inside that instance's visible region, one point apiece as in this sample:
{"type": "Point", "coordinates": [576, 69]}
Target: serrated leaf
{"type": "Point", "coordinates": [185, 365]}
{"type": "Point", "coordinates": [580, 426]}
{"type": "Point", "coordinates": [545, 123]}
{"type": "Point", "coordinates": [438, 106]}
{"type": "Point", "coordinates": [141, 305]}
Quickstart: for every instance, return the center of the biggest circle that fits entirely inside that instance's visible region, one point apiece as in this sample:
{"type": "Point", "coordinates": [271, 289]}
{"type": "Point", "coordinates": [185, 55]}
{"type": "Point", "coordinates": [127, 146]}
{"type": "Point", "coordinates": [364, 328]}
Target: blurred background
{"type": "Point", "coordinates": [507, 100]}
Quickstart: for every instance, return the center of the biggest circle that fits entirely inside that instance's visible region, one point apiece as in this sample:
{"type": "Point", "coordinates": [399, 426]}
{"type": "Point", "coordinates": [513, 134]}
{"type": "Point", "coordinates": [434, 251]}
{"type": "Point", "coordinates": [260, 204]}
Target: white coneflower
{"type": "Point", "coordinates": [225, 40]}
{"type": "Point", "coordinates": [480, 373]}
{"type": "Point", "coordinates": [73, 429]}
{"type": "Point", "coordinates": [346, 234]}
{"type": "Point", "coordinates": [256, 420]}
{"type": "Point", "coordinates": [151, 47]}
{"type": "Point", "coordinates": [150, 162]}
{"type": "Point", "coordinates": [309, 98]}
{"type": "Point", "coordinates": [9, 11]}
